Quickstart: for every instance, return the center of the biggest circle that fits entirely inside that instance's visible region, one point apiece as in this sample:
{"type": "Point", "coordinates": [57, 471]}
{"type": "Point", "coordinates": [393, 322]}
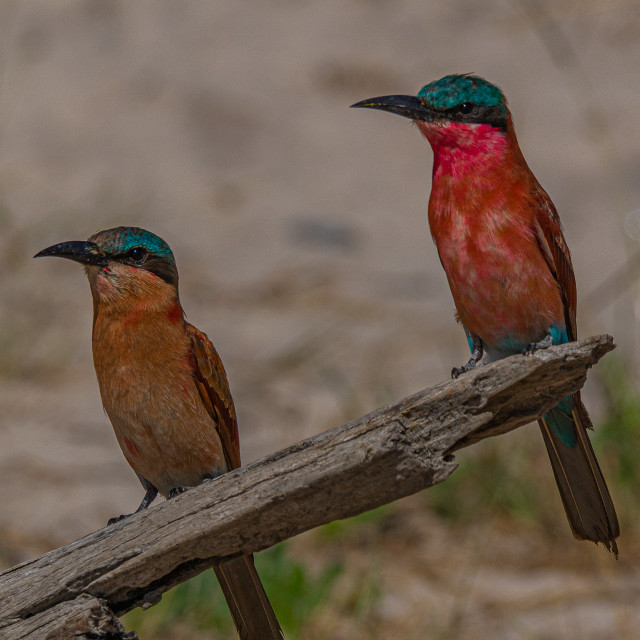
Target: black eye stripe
{"type": "Point", "coordinates": [473, 113]}
{"type": "Point", "coordinates": [142, 258]}
{"type": "Point", "coordinates": [163, 269]}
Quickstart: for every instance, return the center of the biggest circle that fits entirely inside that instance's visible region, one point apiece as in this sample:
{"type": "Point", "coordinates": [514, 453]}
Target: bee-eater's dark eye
{"type": "Point", "coordinates": [137, 254]}
{"type": "Point", "coordinates": [466, 108]}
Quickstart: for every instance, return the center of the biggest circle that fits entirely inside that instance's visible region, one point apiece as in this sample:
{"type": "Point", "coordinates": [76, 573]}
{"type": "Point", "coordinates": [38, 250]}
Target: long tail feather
{"type": "Point", "coordinates": [250, 608]}
{"type": "Point", "coordinates": [582, 487]}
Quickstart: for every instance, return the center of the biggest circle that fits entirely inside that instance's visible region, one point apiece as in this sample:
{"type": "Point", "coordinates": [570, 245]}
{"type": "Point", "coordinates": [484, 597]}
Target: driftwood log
{"type": "Point", "coordinates": [78, 591]}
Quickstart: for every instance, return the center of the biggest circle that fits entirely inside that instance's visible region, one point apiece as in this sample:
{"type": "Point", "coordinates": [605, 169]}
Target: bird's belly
{"type": "Point", "coordinates": [160, 422]}
{"type": "Point", "coordinates": [168, 438]}
{"type": "Point", "coordinates": [506, 295]}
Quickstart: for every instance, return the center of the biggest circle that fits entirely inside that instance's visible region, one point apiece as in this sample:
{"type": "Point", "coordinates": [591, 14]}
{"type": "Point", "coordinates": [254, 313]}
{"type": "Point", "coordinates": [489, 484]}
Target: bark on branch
{"type": "Point", "coordinates": [385, 455]}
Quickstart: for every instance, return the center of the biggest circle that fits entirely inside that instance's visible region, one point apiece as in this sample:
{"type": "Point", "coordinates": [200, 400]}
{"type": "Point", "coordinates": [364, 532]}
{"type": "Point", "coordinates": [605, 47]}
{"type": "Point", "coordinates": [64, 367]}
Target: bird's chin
{"type": "Point", "coordinates": [104, 283]}
{"type": "Point", "coordinates": [433, 126]}
{"type": "Point", "coordinates": [95, 270]}
{"type": "Point", "coordinates": [434, 130]}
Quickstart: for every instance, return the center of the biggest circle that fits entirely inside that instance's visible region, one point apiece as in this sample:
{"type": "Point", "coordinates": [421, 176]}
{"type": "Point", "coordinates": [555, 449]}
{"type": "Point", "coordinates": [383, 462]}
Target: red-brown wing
{"type": "Point", "coordinates": [556, 252]}
{"type": "Point", "coordinates": [211, 380]}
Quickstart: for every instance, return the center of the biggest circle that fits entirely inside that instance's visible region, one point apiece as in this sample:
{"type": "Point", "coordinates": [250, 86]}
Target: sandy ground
{"type": "Point", "coordinates": [299, 228]}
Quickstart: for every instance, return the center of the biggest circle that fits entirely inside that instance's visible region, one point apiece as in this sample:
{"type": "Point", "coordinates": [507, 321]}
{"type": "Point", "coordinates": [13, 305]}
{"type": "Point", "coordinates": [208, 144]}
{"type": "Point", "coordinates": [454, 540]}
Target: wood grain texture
{"type": "Point", "coordinates": [84, 618]}
{"type": "Point", "coordinates": [377, 458]}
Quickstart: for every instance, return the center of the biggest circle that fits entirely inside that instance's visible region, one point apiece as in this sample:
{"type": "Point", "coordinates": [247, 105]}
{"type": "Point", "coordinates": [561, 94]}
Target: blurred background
{"type": "Point", "coordinates": [299, 227]}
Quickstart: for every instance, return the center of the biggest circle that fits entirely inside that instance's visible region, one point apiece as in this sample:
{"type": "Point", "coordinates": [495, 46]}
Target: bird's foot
{"type": "Point", "coordinates": [149, 497]}
{"type": "Point", "coordinates": [111, 521]}
{"type": "Point", "coordinates": [532, 347]}
{"type": "Point", "coordinates": [476, 356]}
{"type": "Point", "coordinates": [458, 371]}
{"type": "Point", "coordinates": [176, 491]}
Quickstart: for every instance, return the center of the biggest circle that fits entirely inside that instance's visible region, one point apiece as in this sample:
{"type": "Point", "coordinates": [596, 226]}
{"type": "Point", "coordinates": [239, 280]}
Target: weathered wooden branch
{"type": "Point", "coordinates": [385, 455]}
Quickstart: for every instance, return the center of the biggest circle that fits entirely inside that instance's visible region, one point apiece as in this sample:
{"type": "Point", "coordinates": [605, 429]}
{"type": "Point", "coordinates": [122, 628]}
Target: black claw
{"type": "Point", "coordinates": [532, 347]}
{"type": "Point", "coordinates": [111, 521]}
{"type": "Point", "coordinates": [149, 497]}
{"type": "Point", "coordinates": [458, 371]}
{"type": "Point", "coordinates": [176, 491]}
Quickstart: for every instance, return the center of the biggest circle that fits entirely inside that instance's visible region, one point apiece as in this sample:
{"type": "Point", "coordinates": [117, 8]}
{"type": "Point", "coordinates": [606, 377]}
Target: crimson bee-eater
{"type": "Point", "coordinates": [500, 241]}
{"type": "Point", "coordinates": [164, 389]}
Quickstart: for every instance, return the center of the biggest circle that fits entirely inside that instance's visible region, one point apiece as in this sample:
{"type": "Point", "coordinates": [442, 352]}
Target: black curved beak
{"type": "Point", "coordinates": [406, 106]}
{"type": "Point", "coordinates": [79, 251]}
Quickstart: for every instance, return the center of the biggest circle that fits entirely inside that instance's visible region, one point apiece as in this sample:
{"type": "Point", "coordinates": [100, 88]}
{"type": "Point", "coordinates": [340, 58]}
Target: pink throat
{"type": "Point", "coordinates": [462, 149]}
